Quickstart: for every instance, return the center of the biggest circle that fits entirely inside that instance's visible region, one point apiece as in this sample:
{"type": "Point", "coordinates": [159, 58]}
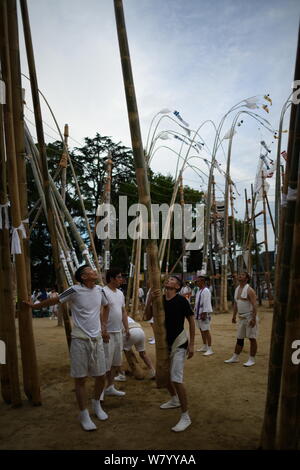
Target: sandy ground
{"type": "Point", "coordinates": [226, 402]}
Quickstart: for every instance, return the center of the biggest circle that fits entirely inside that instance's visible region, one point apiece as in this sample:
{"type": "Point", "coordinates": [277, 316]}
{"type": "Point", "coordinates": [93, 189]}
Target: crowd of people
{"type": "Point", "coordinates": [102, 330]}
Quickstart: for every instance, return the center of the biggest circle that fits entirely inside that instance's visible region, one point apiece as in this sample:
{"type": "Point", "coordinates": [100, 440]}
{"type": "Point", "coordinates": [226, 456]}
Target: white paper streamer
{"type": "Point", "coordinates": [2, 92]}
{"type": "Point", "coordinates": [145, 261]}
{"type": "Point", "coordinates": [15, 240]}
{"type": "Point", "coordinates": [292, 194]}
{"type": "Point", "coordinates": [66, 269]}
{"type": "Point", "coordinates": [284, 200]}
{"type": "Point", "coordinates": [75, 259]}
{"type": "Point", "coordinates": [131, 270]}
{"type": "Point", "coordinates": [6, 218]}
{"type": "Point", "coordinates": [184, 264]}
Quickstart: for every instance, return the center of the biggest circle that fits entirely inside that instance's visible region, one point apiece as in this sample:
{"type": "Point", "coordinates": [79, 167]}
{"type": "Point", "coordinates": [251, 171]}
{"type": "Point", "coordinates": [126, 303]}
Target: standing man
{"type": "Point", "coordinates": [86, 353]}
{"type": "Point", "coordinates": [203, 310]}
{"type": "Point", "coordinates": [114, 317]}
{"type": "Point", "coordinates": [245, 307]}
{"type": "Point", "coordinates": [177, 309]}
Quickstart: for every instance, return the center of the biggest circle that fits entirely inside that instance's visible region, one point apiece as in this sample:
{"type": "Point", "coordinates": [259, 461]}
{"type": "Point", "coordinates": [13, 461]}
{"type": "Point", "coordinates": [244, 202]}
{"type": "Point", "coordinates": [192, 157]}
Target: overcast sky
{"type": "Point", "coordinates": [198, 57]}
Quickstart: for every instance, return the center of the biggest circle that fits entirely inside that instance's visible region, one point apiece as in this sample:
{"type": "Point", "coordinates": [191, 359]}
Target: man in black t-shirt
{"type": "Point", "coordinates": [177, 309]}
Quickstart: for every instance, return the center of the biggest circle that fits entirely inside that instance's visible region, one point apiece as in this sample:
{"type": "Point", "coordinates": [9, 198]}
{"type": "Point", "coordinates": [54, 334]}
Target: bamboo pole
{"type": "Point", "coordinates": [28, 354]}
{"type": "Point", "coordinates": [184, 261]}
{"type": "Point", "coordinates": [9, 373]}
{"type": "Point", "coordinates": [268, 436]}
{"type": "Point", "coordinates": [162, 369]}
{"type": "Point", "coordinates": [42, 153]}
{"type": "Point", "coordinates": [136, 283]}
{"type": "Point", "coordinates": [64, 163]}
{"type": "Point", "coordinates": [107, 200]}
{"type": "Point", "coordinates": [256, 246]}
{"type": "Point", "coordinates": [289, 416]}
{"type": "Point", "coordinates": [267, 262]}
{"type": "Point", "coordinates": [131, 273]}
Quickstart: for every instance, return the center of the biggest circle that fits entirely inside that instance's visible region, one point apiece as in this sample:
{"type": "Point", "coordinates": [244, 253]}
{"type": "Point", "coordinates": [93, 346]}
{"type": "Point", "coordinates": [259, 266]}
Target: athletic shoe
{"type": "Point", "coordinates": [232, 359]}
{"type": "Point", "coordinates": [172, 403]}
{"type": "Point", "coordinates": [99, 412]}
{"type": "Point", "coordinates": [209, 352]}
{"type": "Point", "coordinates": [120, 378]}
{"type": "Point", "coordinates": [152, 341]}
{"type": "Point", "coordinates": [113, 391]}
{"type": "Point", "coordinates": [249, 363]}
{"type": "Point", "coordinates": [151, 374]}
{"type": "Point", "coordinates": [203, 349]}
{"type": "Point", "coordinates": [183, 423]}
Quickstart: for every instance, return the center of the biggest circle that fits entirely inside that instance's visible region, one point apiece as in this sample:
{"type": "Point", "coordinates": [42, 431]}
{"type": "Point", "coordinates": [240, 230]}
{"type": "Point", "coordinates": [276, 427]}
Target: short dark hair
{"type": "Point", "coordinates": [112, 274]}
{"type": "Point", "coordinates": [248, 275]}
{"type": "Point", "coordinates": [179, 282]}
{"type": "Point", "coordinates": [79, 272]}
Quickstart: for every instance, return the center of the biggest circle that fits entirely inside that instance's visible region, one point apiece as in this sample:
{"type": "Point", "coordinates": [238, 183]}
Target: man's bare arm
{"type": "Point", "coordinates": [44, 303]}
{"type": "Point", "coordinates": [192, 336]}
{"type": "Point", "coordinates": [125, 321]}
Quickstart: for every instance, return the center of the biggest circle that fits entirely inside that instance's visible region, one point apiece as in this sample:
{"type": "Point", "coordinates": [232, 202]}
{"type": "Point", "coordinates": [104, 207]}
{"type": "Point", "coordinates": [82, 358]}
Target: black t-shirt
{"type": "Point", "coordinates": [176, 310]}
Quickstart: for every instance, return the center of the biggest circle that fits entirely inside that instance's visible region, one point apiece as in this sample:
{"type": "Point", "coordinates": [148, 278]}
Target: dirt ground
{"type": "Point", "coordinates": [226, 401]}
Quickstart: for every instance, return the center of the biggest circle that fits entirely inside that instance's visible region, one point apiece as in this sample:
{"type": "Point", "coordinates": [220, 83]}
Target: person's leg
{"type": "Point", "coordinates": [98, 389]}
{"type": "Point", "coordinates": [80, 392]}
{"type": "Point", "coordinates": [84, 417]}
{"type": "Point", "coordinates": [253, 347]}
{"type": "Point", "coordinates": [146, 360]}
{"type": "Point", "coordinates": [181, 393]}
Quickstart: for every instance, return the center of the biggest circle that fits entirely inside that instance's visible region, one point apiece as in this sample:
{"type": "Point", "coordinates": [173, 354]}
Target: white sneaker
{"type": "Point", "coordinates": [203, 349]}
{"type": "Point", "coordinates": [152, 341]}
{"type": "Point", "coordinates": [172, 403]}
{"type": "Point", "coordinates": [99, 412]}
{"type": "Point", "coordinates": [151, 374]}
{"type": "Point", "coordinates": [249, 363]}
{"type": "Point", "coordinates": [232, 359]}
{"type": "Point", "coordinates": [120, 378]}
{"type": "Point", "coordinates": [113, 391]}
{"type": "Point", "coordinates": [209, 352]}
{"type": "Point", "coordinates": [183, 423]}
{"type": "Point", "coordinates": [86, 422]}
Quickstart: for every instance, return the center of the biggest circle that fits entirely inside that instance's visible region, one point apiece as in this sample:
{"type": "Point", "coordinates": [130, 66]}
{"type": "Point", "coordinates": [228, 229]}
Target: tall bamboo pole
{"type": "Point", "coordinates": [107, 200]}
{"type": "Point", "coordinates": [267, 261]}
{"type": "Point", "coordinates": [162, 369]}
{"type": "Point", "coordinates": [256, 246]}
{"type": "Point", "coordinates": [184, 260]}
{"type": "Point", "coordinates": [9, 373]}
{"type": "Point", "coordinates": [131, 273]}
{"type": "Point", "coordinates": [136, 282]}
{"type": "Point", "coordinates": [289, 417]}
{"type": "Point", "coordinates": [29, 361]}
{"type": "Point", "coordinates": [268, 437]}
{"type": "Point", "coordinates": [42, 153]}
{"type": "Point", "coordinates": [64, 163]}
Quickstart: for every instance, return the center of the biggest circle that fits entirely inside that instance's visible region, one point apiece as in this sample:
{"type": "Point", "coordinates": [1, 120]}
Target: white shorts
{"type": "Point", "coordinates": [246, 331]}
{"type": "Point", "coordinates": [204, 325]}
{"type": "Point", "coordinates": [113, 350]}
{"type": "Point", "coordinates": [87, 358]}
{"type": "Point", "coordinates": [177, 365]}
{"type": "Point", "coordinates": [136, 338]}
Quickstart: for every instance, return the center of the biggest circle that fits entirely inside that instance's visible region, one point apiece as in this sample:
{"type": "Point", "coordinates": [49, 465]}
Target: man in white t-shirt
{"type": "Point", "coordinates": [203, 311]}
{"type": "Point", "coordinates": [114, 317]}
{"type": "Point", "coordinates": [86, 353]}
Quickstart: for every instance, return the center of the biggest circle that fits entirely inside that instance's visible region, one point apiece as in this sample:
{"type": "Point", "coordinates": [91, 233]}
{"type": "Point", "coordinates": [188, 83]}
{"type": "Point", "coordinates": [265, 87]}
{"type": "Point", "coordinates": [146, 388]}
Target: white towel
{"type": "Point", "coordinates": [244, 293]}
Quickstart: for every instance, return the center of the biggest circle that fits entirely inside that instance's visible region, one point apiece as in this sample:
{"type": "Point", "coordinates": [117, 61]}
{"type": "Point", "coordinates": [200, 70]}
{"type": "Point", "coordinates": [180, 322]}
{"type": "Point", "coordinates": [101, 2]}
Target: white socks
{"type": "Point", "coordinates": [183, 423]}
{"type": "Point", "coordinates": [98, 410]}
{"type": "Point", "coordinates": [250, 362]}
{"type": "Point", "coordinates": [86, 421]}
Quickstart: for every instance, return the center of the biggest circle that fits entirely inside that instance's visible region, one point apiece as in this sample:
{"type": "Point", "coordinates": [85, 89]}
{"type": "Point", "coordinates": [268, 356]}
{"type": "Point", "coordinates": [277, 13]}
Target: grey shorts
{"type": "Point", "coordinates": [87, 358]}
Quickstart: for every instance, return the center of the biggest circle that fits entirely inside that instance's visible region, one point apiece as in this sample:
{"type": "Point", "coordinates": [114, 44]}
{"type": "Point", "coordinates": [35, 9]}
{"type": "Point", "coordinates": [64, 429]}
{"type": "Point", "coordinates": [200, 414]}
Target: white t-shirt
{"type": "Point", "coordinates": [116, 302]}
{"type": "Point", "coordinates": [85, 304]}
{"type": "Point", "coordinates": [203, 299]}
